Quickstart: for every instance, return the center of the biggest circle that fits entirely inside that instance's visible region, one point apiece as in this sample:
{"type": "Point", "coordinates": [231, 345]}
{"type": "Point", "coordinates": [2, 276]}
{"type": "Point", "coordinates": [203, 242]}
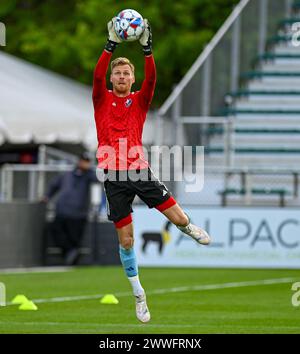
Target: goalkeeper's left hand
{"type": "Point", "coordinates": [113, 40]}
{"type": "Point", "coordinates": [146, 38]}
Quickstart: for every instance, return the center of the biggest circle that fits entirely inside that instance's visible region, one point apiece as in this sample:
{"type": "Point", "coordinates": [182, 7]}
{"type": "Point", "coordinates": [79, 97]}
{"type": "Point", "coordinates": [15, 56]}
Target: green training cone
{"type": "Point", "coordinates": [109, 299]}
{"type": "Point", "coordinates": [28, 305]}
{"type": "Point", "coordinates": [19, 299]}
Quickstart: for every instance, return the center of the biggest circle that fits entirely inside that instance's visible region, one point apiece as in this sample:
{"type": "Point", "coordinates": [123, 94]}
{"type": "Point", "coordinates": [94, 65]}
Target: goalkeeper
{"type": "Point", "coordinates": [120, 115]}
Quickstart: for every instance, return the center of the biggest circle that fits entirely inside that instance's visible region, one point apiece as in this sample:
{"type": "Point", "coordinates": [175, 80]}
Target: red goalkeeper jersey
{"type": "Point", "coordinates": [120, 120]}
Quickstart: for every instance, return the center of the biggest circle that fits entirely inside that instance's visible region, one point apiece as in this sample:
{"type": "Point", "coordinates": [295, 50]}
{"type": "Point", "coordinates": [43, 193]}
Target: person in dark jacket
{"type": "Point", "coordinates": [72, 207]}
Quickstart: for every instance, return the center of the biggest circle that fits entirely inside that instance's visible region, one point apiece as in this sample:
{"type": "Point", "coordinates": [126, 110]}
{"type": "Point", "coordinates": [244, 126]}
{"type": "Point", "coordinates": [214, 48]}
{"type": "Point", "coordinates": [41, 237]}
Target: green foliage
{"type": "Point", "coordinates": [68, 36]}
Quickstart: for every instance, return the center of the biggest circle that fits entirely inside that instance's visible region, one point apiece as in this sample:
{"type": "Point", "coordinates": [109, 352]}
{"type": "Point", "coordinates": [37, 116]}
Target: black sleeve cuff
{"type": "Point", "coordinates": [110, 46]}
{"type": "Point", "coordinates": [147, 49]}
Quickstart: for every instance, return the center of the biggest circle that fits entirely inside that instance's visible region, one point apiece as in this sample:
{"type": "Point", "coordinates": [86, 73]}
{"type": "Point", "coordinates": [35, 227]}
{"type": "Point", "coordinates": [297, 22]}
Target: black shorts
{"type": "Point", "coordinates": [121, 191]}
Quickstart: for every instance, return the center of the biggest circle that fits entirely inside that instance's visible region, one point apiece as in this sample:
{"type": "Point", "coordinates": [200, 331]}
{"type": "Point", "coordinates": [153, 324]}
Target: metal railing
{"type": "Point", "coordinates": [245, 187]}
{"type": "Point", "coordinates": [49, 154]}
{"type": "Point", "coordinates": [28, 183]}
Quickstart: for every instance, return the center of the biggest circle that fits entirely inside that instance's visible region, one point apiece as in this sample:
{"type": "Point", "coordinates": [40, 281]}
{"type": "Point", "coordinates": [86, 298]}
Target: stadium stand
{"type": "Point", "coordinates": [259, 115]}
{"type": "Point", "coordinates": [267, 107]}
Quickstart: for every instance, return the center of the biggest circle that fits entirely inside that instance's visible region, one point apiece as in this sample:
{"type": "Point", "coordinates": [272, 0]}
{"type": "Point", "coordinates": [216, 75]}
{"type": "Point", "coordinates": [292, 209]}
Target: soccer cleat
{"type": "Point", "coordinates": [142, 311]}
{"type": "Point", "coordinates": [198, 234]}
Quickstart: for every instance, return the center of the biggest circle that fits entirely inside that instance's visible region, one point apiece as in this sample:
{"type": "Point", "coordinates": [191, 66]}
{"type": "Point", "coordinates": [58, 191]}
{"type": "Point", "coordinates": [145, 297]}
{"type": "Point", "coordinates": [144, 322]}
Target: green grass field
{"type": "Point", "coordinates": [181, 300]}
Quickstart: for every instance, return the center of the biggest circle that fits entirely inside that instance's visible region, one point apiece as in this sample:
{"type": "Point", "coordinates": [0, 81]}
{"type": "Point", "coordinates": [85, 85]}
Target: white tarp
{"type": "Point", "coordinates": [40, 106]}
{"type": "Point", "coordinates": [242, 237]}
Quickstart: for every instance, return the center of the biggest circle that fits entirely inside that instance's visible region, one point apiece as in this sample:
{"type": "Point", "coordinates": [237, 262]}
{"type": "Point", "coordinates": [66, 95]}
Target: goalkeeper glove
{"type": "Point", "coordinates": [112, 40]}
{"type": "Point", "coordinates": [146, 38]}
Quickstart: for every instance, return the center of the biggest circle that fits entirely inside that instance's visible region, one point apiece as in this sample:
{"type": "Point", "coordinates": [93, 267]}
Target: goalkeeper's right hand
{"type": "Point", "coordinates": [113, 40]}
{"type": "Point", "coordinates": [146, 38]}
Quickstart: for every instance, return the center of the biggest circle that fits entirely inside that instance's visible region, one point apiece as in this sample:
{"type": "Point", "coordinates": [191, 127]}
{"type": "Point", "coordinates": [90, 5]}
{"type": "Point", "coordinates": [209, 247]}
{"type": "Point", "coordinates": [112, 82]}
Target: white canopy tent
{"type": "Point", "coordinates": [40, 106]}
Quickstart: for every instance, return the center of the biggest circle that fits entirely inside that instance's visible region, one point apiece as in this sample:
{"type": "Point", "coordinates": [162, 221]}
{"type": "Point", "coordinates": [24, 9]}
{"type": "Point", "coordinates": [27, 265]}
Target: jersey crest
{"type": "Point", "coordinates": [128, 102]}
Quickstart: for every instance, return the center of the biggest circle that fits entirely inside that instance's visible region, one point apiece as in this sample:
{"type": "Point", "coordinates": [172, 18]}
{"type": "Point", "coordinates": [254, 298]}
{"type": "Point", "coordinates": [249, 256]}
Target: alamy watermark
{"type": "Point", "coordinates": [296, 34]}
{"type": "Point", "coordinates": [2, 34]}
{"type": "Point", "coordinates": [2, 294]}
{"type": "Point", "coordinates": [175, 163]}
{"type": "Point", "coordinates": [296, 295]}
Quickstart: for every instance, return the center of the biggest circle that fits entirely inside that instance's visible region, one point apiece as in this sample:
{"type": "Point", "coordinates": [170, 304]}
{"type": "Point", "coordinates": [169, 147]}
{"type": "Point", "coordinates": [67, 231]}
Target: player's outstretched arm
{"type": "Point", "coordinates": [148, 86]}
{"type": "Point", "coordinates": [99, 84]}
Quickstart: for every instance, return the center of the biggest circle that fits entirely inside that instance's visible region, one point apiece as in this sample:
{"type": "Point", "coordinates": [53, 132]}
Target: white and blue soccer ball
{"type": "Point", "coordinates": [129, 25]}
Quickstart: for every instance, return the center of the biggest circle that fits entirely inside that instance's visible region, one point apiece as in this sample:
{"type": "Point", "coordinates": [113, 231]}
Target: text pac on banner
{"type": "Point", "coordinates": [249, 237]}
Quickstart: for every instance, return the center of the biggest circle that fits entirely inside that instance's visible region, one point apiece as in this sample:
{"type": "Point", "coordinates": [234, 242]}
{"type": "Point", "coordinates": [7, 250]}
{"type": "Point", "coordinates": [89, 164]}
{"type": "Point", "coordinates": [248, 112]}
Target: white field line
{"type": "Point", "coordinates": [173, 290]}
{"type": "Point", "coordinates": [52, 269]}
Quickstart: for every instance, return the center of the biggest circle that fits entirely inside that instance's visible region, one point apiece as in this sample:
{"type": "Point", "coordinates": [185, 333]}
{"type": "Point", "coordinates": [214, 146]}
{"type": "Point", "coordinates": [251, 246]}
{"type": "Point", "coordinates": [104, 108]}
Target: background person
{"type": "Point", "coordinates": [72, 206]}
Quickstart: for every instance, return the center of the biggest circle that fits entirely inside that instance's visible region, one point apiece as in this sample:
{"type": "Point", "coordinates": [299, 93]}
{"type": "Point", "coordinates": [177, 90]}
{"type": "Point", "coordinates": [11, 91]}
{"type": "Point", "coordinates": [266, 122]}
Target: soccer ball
{"type": "Point", "coordinates": [129, 25]}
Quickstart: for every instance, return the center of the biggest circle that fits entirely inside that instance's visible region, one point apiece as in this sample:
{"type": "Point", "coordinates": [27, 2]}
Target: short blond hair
{"type": "Point", "coordinates": [121, 61]}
